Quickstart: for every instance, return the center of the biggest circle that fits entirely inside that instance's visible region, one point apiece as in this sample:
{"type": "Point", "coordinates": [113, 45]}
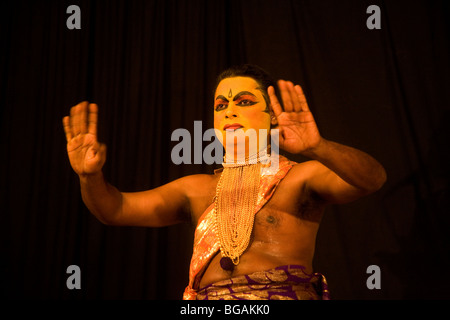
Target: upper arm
{"type": "Point", "coordinates": [162, 206]}
{"type": "Point", "coordinates": [327, 185]}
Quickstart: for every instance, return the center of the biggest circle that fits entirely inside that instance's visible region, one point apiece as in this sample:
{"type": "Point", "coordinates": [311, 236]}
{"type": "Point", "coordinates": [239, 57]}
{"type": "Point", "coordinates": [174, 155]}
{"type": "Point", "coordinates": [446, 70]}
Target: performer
{"type": "Point", "coordinates": [256, 223]}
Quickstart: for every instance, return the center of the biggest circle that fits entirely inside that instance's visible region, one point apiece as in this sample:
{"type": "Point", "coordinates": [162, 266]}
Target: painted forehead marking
{"type": "Point", "coordinates": [230, 94]}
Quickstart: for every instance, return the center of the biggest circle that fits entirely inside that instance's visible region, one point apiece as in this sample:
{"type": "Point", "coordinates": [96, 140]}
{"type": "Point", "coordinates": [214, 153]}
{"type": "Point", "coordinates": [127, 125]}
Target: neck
{"type": "Point", "coordinates": [242, 158]}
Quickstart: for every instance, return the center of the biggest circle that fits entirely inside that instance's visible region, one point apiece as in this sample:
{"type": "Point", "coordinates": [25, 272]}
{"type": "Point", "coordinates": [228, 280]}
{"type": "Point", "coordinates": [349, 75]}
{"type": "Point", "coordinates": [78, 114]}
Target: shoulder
{"type": "Point", "coordinates": [198, 178]}
{"type": "Point", "coordinates": [295, 174]}
{"type": "Point", "coordinates": [199, 191]}
{"type": "Point", "coordinates": [307, 169]}
{"type": "Point", "coordinates": [197, 184]}
{"type": "Point", "coordinates": [301, 174]}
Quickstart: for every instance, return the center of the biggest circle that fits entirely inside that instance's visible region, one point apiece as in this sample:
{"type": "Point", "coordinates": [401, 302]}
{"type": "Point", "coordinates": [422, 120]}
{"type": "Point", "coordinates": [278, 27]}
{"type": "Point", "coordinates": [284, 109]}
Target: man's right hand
{"type": "Point", "coordinates": [159, 207]}
{"type": "Point", "coordinates": [87, 156]}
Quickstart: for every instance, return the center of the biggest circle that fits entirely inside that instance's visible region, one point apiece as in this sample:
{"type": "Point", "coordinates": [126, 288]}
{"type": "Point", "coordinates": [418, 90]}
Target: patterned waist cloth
{"type": "Point", "coordinates": [289, 282]}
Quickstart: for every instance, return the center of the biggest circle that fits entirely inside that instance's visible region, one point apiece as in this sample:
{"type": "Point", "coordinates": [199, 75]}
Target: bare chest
{"type": "Point", "coordinates": [286, 206]}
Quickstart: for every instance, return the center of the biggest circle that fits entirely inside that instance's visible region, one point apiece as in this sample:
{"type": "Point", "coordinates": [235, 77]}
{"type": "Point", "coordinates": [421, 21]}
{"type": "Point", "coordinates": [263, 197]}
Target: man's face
{"type": "Point", "coordinates": [238, 106]}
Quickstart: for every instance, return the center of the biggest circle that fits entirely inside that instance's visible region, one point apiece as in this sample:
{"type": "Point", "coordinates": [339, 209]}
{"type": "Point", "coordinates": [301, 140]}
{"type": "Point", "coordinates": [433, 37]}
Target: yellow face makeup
{"type": "Point", "coordinates": [239, 105]}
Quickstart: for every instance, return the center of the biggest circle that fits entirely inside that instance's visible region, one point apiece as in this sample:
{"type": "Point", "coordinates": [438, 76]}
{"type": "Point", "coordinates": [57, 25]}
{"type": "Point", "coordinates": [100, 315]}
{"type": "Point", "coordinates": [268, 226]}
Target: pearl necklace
{"type": "Point", "coordinates": [261, 156]}
{"type": "Point", "coordinates": [235, 203]}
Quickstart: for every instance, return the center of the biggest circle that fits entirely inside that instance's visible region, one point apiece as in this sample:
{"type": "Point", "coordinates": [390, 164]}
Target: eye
{"type": "Point", "coordinates": [246, 102]}
{"type": "Point", "coordinates": [220, 106]}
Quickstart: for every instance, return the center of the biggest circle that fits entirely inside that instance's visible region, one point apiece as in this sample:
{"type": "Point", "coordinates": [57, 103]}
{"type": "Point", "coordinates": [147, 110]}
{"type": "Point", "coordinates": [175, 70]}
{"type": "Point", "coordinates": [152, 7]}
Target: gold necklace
{"type": "Point", "coordinates": [235, 203]}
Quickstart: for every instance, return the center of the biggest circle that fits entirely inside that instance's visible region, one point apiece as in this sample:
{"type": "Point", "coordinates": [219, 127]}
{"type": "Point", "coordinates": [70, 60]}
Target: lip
{"type": "Point", "coordinates": [233, 126]}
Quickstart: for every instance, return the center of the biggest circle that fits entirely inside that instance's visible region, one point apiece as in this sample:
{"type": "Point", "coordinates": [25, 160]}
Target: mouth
{"type": "Point", "coordinates": [232, 127]}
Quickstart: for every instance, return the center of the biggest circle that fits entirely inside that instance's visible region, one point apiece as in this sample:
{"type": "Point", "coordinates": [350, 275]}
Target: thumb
{"type": "Point", "coordinates": [98, 150]}
{"type": "Point", "coordinates": [102, 150]}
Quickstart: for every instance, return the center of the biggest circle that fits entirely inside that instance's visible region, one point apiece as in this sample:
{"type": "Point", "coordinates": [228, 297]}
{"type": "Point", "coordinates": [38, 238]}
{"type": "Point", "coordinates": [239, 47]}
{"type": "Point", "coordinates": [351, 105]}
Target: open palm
{"type": "Point", "coordinates": [298, 129]}
{"type": "Point", "coordinates": [86, 154]}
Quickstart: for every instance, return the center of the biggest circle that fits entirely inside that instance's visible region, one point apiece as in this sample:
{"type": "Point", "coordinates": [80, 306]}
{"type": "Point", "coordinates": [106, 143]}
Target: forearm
{"type": "Point", "coordinates": [103, 200]}
{"type": "Point", "coordinates": [355, 167]}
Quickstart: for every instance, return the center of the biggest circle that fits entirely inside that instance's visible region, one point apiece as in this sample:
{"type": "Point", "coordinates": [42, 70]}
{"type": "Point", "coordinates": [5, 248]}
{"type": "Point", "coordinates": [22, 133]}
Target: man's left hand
{"type": "Point", "coordinates": [298, 130]}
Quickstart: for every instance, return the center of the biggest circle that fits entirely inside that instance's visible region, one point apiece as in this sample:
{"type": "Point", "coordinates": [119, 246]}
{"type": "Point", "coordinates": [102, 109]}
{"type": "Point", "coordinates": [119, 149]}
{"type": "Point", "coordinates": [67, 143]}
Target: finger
{"type": "Point", "coordinates": [301, 98]}
{"type": "Point", "coordinates": [78, 118]}
{"type": "Point", "coordinates": [296, 104]}
{"type": "Point", "coordinates": [285, 96]}
{"type": "Point", "coordinates": [83, 109]}
{"type": "Point", "coordinates": [274, 103]}
{"type": "Point", "coordinates": [92, 119]}
{"type": "Point", "coordinates": [102, 150]}
{"type": "Point", "coordinates": [75, 120]}
{"type": "Point", "coordinates": [67, 130]}
{"type": "Point", "coordinates": [98, 152]}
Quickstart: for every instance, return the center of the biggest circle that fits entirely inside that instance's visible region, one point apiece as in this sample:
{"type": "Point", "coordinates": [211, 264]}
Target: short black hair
{"type": "Point", "coordinates": [261, 76]}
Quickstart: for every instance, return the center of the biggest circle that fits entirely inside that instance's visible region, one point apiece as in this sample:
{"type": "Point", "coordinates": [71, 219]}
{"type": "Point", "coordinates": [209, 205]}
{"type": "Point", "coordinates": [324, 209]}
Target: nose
{"type": "Point", "coordinates": [231, 111]}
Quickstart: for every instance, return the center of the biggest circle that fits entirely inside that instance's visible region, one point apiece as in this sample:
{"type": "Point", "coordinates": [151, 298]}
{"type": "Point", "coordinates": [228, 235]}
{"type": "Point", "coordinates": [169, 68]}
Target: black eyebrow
{"type": "Point", "coordinates": [221, 97]}
{"type": "Point", "coordinates": [243, 93]}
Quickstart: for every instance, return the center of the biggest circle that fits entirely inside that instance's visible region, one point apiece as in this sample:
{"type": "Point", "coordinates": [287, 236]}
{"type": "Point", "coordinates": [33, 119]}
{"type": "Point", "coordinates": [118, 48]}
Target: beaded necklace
{"type": "Point", "coordinates": [235, 203]}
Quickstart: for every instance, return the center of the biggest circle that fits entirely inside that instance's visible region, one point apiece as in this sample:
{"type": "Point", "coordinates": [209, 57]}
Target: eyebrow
{"type": "Point", "coordinates": [243, 93]}
{"type": "Point", "coordinates": [221, 97]}
{"type": "Point", "coordinates": [240, 94]}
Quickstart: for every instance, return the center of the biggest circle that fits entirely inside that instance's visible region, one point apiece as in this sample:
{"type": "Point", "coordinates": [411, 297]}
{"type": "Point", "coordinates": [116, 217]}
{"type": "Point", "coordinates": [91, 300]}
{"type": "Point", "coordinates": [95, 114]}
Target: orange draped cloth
{"type": "Point", "coordinates": [206, 243]}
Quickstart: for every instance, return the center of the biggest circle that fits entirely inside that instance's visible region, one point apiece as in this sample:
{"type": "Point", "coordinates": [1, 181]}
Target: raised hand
{"type": "Point", "coordinates": [87, 156]}
{"type": "Point", "coordinates": [298, 130]}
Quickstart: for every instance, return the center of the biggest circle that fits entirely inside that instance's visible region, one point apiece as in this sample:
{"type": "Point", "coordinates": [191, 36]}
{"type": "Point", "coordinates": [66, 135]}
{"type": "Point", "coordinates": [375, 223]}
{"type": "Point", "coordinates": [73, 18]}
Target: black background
{"type": "Point", "coordinates": [151, 65]}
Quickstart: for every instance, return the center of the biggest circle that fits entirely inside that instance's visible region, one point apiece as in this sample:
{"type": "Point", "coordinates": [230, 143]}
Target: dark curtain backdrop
{"type": "Point", "coordinates": [151, 65]}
